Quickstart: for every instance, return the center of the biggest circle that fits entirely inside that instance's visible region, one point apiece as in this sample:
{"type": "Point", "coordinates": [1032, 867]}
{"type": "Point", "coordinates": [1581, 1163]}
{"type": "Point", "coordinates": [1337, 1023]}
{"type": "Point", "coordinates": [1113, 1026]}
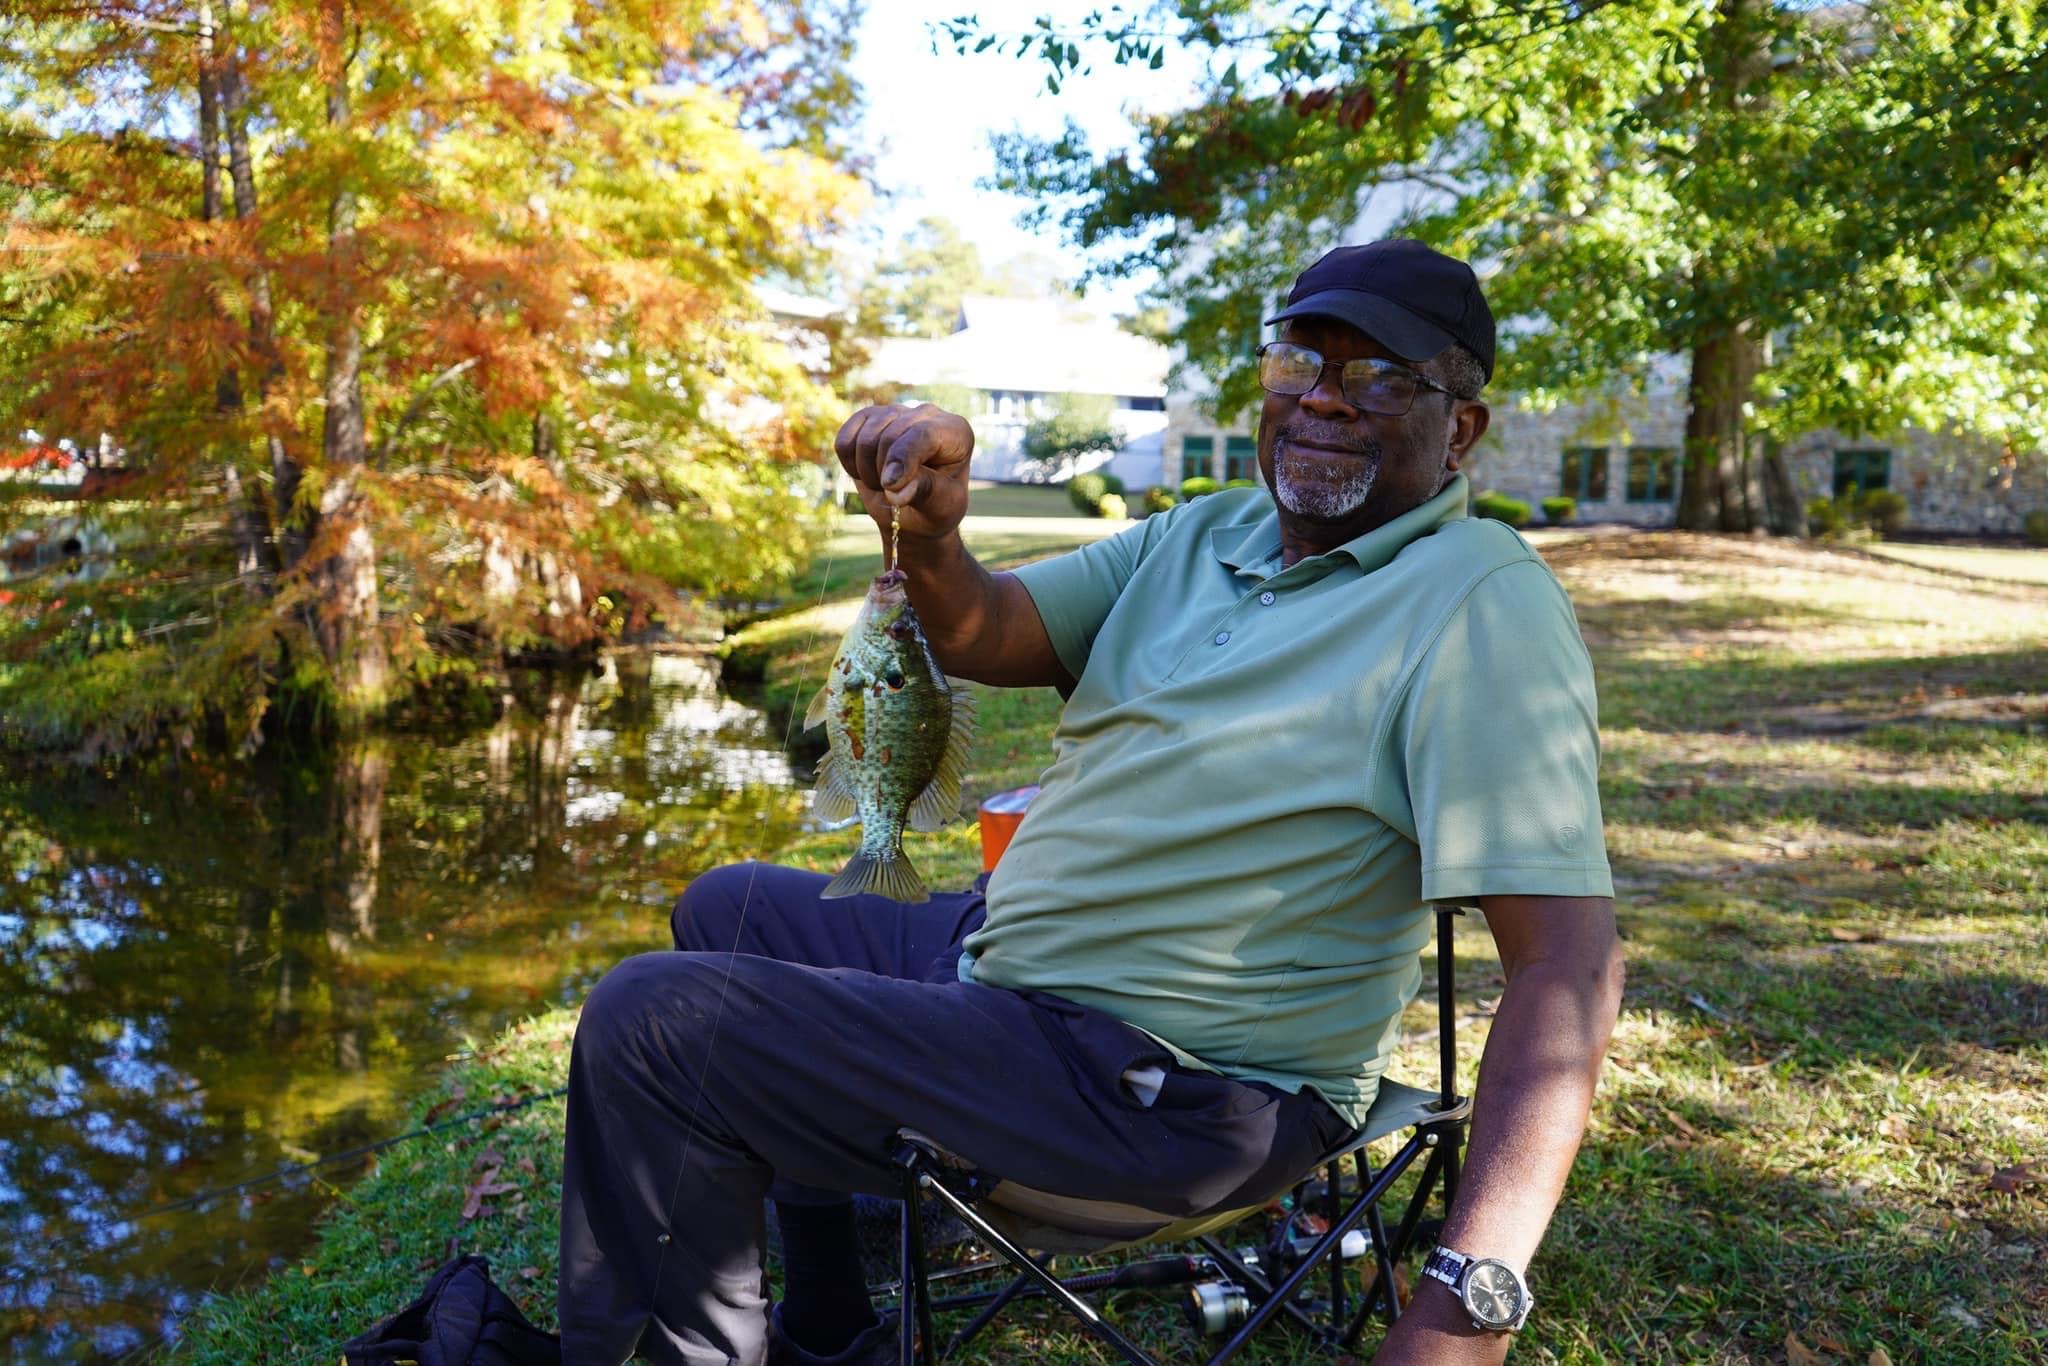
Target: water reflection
{"type": "Point", "coordinates": [213, 973]}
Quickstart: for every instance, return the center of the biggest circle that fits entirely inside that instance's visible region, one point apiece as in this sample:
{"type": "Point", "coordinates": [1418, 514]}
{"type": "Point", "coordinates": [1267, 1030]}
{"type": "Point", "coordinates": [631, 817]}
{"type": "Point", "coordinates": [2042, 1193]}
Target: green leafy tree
{"type": "Point", "coordinates": [406, 327]}
{"type": "Point", "coordinates": [1072, 425]}
{"type": "Point", "coordinates": [1833, 215]}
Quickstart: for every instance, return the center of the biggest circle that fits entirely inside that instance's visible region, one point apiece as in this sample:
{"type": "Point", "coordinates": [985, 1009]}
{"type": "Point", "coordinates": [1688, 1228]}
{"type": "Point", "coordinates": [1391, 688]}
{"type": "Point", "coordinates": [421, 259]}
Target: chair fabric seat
{"type": "Point", "coordinates": [1047, 1222]}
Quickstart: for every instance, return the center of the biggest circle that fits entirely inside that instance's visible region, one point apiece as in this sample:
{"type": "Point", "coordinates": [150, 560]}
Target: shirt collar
{"type": "Point", "coordinates": [1256, 546]}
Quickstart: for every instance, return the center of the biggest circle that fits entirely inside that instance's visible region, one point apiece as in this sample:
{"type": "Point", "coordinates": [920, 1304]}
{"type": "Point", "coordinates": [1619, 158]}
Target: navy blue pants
{"type": "Point", "coordinates": [785, 1044]}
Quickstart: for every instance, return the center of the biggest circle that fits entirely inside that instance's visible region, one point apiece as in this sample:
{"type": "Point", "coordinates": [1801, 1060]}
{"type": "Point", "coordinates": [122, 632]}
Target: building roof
{"type": "Point", "coordinates": [1028, 345]}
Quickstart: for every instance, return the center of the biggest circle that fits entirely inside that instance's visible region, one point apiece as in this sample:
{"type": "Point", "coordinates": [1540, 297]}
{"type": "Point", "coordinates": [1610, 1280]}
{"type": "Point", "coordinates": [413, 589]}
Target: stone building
{"type": "Point", "coordinates": [1621, 459]}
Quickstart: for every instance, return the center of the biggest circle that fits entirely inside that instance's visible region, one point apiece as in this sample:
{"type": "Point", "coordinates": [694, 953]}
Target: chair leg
{"type": "Point", "coordinates": [1017, 1257]}
{"type": "Point", "coordinates": [1384, 1285]}
{"type": "Point", "coordinates": [914, 1314]}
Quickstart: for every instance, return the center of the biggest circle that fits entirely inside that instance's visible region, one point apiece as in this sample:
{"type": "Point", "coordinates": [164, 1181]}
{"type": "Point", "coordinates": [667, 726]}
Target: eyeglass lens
{"type": "Point", "coordinates": [1370, 384]}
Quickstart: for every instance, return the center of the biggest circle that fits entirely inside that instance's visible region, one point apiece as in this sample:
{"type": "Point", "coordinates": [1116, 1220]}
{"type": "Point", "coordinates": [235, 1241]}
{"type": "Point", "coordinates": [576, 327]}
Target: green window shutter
{"type": "Point", "coordinates": [1196, 454]}
{"type": "Point", "coordinates": [1582, 474]}
{"type": "Point", "coordinates": [1652, 474]}
{"type": "Point", "coordinates": [1240, 458]}
{"type": "Point", "coordinates": [1857, 471]}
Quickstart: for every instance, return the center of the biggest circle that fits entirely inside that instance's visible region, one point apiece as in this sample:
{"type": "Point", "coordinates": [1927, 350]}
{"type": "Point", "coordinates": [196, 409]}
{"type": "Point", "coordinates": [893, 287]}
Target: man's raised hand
{"type": "Point", "coordinates": [912, 458]}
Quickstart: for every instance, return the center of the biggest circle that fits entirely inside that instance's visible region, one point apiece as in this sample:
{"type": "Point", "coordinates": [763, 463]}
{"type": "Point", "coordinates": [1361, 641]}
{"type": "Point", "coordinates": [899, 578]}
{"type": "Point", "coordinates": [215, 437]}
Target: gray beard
{"type": "Point", "coordinates": [1318, 499]}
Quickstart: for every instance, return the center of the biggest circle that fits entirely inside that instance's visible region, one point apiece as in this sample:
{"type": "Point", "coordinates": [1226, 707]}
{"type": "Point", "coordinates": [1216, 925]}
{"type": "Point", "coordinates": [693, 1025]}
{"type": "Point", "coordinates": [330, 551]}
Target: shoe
{"type": "Point", "coordinates": [880, 1344]}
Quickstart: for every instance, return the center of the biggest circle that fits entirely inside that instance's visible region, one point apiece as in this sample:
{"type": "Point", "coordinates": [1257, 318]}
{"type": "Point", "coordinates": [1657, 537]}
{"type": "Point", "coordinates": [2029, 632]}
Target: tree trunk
{"type": "Point", "coordinates": [1716, 494]}
{"type": "Point", "coordinates": [247, 519]}
{"type": "Point", "coordinates": [345, 576]}
{"type": "Point", "coordinates": [285, 474]}
{"type": "Point", "coordinates": [1784, 514]}
{"type": "Point", "coordinates": [1723, 486]}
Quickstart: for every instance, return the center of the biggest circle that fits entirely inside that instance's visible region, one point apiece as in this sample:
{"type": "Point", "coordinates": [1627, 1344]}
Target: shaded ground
{"type": "Point", "coordinates": [1826, 787]}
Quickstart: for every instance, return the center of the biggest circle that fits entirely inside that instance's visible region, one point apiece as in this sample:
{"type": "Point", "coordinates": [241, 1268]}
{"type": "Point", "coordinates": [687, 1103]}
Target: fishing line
{"type": "Point", "coordinates": [664, 1239]}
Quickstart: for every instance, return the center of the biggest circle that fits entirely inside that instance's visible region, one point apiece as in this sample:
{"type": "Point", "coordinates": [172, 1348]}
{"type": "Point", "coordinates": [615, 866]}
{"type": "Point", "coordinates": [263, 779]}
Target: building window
{"type": "Point", "coordinates": [1652, 474]}
{"type": "Point", "coordinates": [1862, 471]}
{"type": "Point", "coordinates": [1138, 404]}
{"type": "Point", "coordinates": [1196, 455]}
{"type": "Point", "coordinates": [1584, 474]}
{"type": "Point", "coordinates": [1240, 458]}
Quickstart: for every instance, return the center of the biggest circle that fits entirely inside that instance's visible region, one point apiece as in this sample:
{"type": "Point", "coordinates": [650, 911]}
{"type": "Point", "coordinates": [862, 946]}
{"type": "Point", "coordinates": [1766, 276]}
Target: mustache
{"type": "Point", "coordinates": [1322, 434]}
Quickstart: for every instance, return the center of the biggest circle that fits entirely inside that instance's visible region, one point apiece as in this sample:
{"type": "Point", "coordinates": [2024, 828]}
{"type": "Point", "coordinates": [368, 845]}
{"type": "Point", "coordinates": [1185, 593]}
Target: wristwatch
{"type": "Point", "coordinates": [1497, 1299]}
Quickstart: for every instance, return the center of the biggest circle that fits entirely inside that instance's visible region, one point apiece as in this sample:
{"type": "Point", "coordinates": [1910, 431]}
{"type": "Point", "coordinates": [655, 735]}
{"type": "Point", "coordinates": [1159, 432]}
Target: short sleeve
{"type": "Point", "coordinates": [1074, 592]}
{"type": "Point", "coordinates": [1494, 748]}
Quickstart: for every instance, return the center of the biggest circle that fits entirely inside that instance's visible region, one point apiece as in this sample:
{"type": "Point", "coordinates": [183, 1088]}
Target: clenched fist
{"type": "Point", "coordinates": [910, 458]}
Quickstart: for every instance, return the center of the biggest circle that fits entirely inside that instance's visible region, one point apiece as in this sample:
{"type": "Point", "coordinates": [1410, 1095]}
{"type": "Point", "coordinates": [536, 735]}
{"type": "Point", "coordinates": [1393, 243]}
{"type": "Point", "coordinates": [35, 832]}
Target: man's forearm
{"type": "Point", "coordinates": [981, 626]}
{"type": "Point", "coordinates": [1536, 1083]}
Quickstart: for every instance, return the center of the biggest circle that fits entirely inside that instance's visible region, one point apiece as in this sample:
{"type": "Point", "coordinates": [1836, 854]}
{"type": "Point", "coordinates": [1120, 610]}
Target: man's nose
{"type": "Point", "coordinates": [1327, 398]}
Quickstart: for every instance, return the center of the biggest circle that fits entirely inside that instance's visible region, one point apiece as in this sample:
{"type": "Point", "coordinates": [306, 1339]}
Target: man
{"type": "Point", "coordinates": [1292, 723]}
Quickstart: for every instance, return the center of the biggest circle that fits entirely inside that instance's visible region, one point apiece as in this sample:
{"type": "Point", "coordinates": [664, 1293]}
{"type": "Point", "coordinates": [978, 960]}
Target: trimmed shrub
{"type": "Point", "coordinates": [1560, 510]}
{"type": "Point", "coordinates": [1198, 485]}
{"type": "Point", "coordinates": [1084, 491]}
{"type": "Point", "coordinates": [2036, 526]}
{"type": "Point", "coordinates": [1240, 483]}
{"type": "Point", "coordinates": [1823, 518]}
{"type": "Point", "coordinates": [1501, 508]}
{"type": "Point", "coordinates": [1882, 510]}
{"type": "Point", "coordinates": [1158, 499]}
{"type": "Point", "coordinates": [1112, 484]}
{"type": "Point", "coordinates": [1111, 507]}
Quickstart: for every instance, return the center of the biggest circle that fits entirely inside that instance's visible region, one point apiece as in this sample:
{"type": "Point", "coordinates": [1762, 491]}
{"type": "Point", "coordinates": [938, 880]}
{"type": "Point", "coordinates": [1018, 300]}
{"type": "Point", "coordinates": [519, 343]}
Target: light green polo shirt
{"type": "Point", "coordinates": [1265, 776]}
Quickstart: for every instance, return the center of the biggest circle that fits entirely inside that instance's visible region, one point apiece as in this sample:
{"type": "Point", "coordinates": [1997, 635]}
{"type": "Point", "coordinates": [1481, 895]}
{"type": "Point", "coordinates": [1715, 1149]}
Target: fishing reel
{"type": "Point", "coordinates": [1215, 1307]}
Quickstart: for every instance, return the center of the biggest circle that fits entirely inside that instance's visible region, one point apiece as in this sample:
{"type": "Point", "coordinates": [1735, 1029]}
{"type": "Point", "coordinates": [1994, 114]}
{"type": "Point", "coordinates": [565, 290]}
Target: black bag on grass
{"type": "Point", "coordinates": [460, 1319]}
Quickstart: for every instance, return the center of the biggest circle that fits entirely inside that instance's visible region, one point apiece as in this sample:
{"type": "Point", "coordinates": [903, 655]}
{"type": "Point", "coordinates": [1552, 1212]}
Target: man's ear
{"type": "Point", "coordinates": [1469, 421]}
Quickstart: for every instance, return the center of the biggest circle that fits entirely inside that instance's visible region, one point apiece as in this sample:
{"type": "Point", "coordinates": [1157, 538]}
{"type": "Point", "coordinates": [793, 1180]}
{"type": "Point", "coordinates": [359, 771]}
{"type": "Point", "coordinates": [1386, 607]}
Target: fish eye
{"type": "Point", "coordinates": [894, 678]}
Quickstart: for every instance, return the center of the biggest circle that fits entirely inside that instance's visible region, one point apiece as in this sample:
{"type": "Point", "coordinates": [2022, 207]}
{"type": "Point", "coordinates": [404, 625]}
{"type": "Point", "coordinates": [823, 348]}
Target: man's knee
{"type": "Point", "coordinates": [708, 913]}
{"type": "Point", "coordinates": [649, 1006]}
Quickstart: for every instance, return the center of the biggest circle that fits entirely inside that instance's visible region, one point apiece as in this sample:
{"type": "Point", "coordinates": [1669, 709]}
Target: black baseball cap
{"type": "Point", "coordinates": [1411, 299]}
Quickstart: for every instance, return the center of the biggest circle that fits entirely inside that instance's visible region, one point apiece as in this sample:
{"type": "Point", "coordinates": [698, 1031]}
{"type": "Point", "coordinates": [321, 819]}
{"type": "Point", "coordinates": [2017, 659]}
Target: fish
{"type": "Point", "coordinates": [899, 731]}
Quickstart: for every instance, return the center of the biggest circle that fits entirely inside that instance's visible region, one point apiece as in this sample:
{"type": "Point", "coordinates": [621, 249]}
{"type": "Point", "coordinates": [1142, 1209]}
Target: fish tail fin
{"type": "Point", "coordinates": [888, 874]}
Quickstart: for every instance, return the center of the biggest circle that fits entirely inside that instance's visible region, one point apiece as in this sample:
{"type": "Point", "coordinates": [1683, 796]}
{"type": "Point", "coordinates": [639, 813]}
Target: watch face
{"type": "Point", "coordinates": [1493, 1294]}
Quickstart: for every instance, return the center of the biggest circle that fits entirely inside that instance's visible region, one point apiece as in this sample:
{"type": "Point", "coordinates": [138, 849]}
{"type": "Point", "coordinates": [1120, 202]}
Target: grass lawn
{"type": "Point", "coordinates": [991, 499]}
{"type": "Point", "coordinates": [1989, 562]}
{"type": "Point", "coordinates": [1826, 788]}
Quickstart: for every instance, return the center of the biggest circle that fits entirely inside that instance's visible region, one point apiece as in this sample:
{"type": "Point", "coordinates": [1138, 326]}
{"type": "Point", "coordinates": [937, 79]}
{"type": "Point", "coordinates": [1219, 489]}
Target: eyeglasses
{"type": "Point", "coordinates": [1373, 384]}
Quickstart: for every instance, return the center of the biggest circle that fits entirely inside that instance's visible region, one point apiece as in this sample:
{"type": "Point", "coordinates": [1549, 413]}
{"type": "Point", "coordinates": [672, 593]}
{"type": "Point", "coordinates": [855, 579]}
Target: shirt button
{"type": "Point", "coordinates": [1266, 599]}
{"type": "Point", "coordinates": [1223, 637]}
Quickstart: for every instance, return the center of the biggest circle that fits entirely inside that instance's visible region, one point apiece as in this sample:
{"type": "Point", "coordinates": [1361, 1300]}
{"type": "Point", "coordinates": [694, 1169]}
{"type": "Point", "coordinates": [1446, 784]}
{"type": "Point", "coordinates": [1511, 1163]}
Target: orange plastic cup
{"type": "Point", "coordinates": [1000, 817]}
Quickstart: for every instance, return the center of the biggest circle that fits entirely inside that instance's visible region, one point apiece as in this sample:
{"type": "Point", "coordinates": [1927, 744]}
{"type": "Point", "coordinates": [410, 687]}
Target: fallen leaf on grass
{"type": "Point", "coordinates": [2009, 1180]}
{"type": "Point", "coordinates": [1798, 1353]}
{"type": "Point", "coordinates": [1854, 936]}
{"type": "Point", "coordinates": [1678, 1121]}
{"type": "Point", "coordinates": [442, 1107]}
{"type": "Point", "coordinates": [529, 1273]}
{"type": "Point", "coordinates": [1879, 1357]}
{"type": "Point", "coordinates": [1369, 1276]}
{"type": "Point", "coordinates": [1897, 1128]}
{"type": "Point", "coordinates": [484, 1187]}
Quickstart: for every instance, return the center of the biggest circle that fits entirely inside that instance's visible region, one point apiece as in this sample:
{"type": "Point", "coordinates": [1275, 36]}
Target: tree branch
{"type": "Point", "coordinates": [415, 408]}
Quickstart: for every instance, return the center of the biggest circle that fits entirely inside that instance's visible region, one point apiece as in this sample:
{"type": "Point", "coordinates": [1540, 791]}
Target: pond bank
{"type": "Point", "coordinates": [1832, 1065]}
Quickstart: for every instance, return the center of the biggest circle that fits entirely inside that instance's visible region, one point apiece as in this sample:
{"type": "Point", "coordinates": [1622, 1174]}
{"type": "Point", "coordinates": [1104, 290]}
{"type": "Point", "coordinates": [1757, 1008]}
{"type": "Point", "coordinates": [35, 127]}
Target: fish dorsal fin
{"type": "Point", "coordinates": [814, 715]}
{"type": "Point", "coordinates": [940, 800]}
{"type": "Point", "coordinates": [831, 799]}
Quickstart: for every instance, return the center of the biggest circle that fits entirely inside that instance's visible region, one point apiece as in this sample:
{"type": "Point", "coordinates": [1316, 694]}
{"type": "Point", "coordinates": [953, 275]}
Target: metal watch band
{"type": "Point", "coordinates": [1447, 1266]}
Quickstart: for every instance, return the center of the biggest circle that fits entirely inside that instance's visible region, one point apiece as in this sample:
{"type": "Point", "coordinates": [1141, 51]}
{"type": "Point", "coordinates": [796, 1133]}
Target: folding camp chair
{"type": "Point", "coordinates": [1243, 1290]}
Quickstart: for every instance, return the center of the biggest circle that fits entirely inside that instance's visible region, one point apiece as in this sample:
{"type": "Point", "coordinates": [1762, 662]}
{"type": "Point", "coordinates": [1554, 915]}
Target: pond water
{"type": "Point", "coordinates": [212, 976]}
